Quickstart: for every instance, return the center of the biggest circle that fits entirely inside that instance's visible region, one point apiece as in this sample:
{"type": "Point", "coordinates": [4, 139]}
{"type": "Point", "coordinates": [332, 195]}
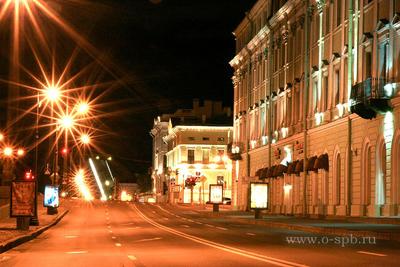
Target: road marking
{"type": "Point", "coordinates": [118, 244]}
{"type": "Point", "coordinates": [77, 252]}
{"type": "Point", "coordinates": [113, 237]}
{"type": "Point", "coordinates": [221, 228]}
{"type": "Point", "coordinates": [165, 218]}
{"type": "Point", "coordinates": [108, 226]}
{"type": "Point", "coordinates": [198, 222]}
{"type": "Point", "coordinates": [148, 239]}
{"type": "Point", "coordinates": [371, 253]}
{"type": "Point", "coordinates": [4, 258]}
{"type": "Point", "coordinates": [189, 220]}
{"type": "Point", "coordinates": [128, 223]}
{"type": "Point", "coordinates": [250, 234]}
{"type": "Point", "coordinates": [209, 225]}
{"type": "Point", "coordinates": [132, 228]}
{"type": "Point", "coordinates": [131, 257]}
{"type": "Point", "coordinates": [237, 251]}
{"type": "Point", "coordinates": [153, 211]}
{"type": "Point", "coordinates": [184, 225]}
{"type": "Point", "coordinates": [71, 236]}
{"type": "Point", "coordinates": [110, 231]}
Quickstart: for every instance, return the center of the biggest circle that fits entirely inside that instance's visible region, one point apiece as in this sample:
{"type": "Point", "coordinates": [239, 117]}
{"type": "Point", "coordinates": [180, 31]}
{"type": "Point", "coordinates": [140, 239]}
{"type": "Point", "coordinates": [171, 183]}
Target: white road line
{"type": "Point", "coordinates": [132, 228]}
{"type": "Point", "coordinates": [4, 258]}
{"type": "Point", "coordinates": [221, 228]}
{"type": "Point", "coordinates": [114, 237]}
{"type": "Point", "coordinates": [108, 226]}
{"type": "Point", "coordinates": [209, 225]}
{"type": "Point", "coordinates": [165, 218]}
{"type": "Point", "coordinates": [226, 248]}
{"type": "Point", "coordinates": [184, 225]}
{"type": "Point", "coordinates": [148, 239]}
{"type": "Point", "coordinates": [371, 253]}
{"type": "Point", "coordinates": [71, 236]}
{"type": "Point", "coordinates": [189, 220]}
{"type": "Point", "coordinates": [198, 222]}
{"type": "Point", "coordinates": [131, 257]}
{"type": "Point", "coordinates": [118, 244]}
{"type": "Point", "coordinates": [250, 234]}
{"type": "Point", "coordinates": [77, 252]}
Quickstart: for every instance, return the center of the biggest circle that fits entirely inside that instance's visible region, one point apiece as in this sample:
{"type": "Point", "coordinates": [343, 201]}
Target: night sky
{"type": "Point", "coordinates": [166, 52]}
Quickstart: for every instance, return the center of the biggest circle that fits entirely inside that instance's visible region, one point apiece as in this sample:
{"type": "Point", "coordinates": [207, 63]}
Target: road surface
{"type": "Point", "coordinates": [122, 234]}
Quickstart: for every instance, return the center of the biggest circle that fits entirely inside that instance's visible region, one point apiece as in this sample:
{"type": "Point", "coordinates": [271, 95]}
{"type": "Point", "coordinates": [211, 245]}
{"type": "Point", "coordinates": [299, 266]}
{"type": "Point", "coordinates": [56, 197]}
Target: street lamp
{"type": "Point", "coordinates": [1, 137]}
{"type": "Point", "coordinates": [85, 139]}
{"type": "Point", "coordinates": [8, 151]}
{"type": "Point", "coordinates": [67, 122]}
{"type": "Point", "coordinates": [20, 152]}
{"type": "Point", "coordinates": [52, 93]}
{"type": "Point", "coordinates": [82, 108]}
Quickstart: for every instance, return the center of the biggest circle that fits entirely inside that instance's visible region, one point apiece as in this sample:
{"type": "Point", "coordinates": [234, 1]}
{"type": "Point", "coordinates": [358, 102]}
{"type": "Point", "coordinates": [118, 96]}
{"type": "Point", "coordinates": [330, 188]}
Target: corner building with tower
{"type": "Point", "coordinates": [317, 107]}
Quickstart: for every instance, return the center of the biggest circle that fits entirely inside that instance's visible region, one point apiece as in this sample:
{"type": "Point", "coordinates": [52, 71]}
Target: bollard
{"type": "Point", "coordinates": [215, 207]}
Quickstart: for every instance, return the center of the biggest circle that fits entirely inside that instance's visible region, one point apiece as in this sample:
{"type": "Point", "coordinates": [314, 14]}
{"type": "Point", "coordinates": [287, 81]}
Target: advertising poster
{"type": "Point", "coordinates": [258, 195]}
{"type": "Point", "coordinates": [22, 199]}
{"type": "Point", "coordinates": [216, 193]}
{"type": "Point", "coordinates": [51, 196]}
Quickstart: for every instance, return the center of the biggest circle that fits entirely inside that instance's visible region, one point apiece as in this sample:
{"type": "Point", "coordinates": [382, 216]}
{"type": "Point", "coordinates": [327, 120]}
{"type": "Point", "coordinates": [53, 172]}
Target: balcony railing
{"type": "Point", "coordinates": [369, 98]}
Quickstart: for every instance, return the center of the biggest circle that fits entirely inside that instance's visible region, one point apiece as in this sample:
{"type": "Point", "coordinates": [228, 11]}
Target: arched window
{"type": "Point", "coordinates": [337, 181]}
{"type": "Point", "coordinates": [366, 175]}
{"type": "Point", "coordinates": [380, 184]}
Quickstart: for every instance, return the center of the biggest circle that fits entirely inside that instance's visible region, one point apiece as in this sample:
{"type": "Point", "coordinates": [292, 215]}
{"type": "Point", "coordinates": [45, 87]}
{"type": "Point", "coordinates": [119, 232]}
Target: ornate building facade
{"type": "Point", "coordinates": [317, 106]}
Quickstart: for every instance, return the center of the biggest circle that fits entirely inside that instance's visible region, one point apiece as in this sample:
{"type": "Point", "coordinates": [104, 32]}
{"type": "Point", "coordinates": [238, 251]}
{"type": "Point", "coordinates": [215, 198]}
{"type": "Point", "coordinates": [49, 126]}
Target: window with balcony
{"type": "Point", "coordinates": [327, 19]}
{"type": "Point", "coordinates": [190, 156]}
{"type": "Point", "coordinates": [325, 93]}
{"type": "Point", "coordinates": [314, 96]}
{"type": "Point", "coordinates": [338, 12]}
{"type": "Point", "coordinates": [367, 64]}
{"type": "Point", "coordinates": [336, 87]}
{"type": "Point", "coordinates": [383, 52]}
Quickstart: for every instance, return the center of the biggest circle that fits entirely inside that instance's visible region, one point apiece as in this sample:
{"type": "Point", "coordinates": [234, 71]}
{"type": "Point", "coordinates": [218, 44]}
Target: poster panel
{"type": "Point", "coordinates": [51, 198]}
{"type": "Point", "coordinates": [216, 193]}
{"type": "Point", "coordinates": [22, 199]}
{"type": "Point", "coordinates": [258, 195]}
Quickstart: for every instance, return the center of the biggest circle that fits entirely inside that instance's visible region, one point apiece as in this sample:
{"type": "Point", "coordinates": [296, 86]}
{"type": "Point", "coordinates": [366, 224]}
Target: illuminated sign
{"type": "Point", "coordinates": [216, 193]}
{"type": "Point", "coordinates": [258, 195]}
{"type": "Point", "coordinates": [22, 199]}
{"type": "Point", "coordinates": [51, 196]}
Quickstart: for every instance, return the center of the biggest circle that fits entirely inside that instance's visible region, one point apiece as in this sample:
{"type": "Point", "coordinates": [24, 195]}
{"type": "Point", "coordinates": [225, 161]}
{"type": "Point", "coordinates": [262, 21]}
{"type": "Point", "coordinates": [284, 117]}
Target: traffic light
{"type": "Point", "coordinates": [64, 151]}
{"type": "Point", "coordinates": [29, 176]}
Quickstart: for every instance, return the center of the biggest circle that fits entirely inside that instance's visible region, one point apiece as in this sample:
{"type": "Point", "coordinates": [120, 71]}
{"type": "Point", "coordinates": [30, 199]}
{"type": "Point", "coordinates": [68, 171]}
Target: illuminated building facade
{"type": "Point", "coordinates": [302, 95]}
{"type": "Point", "coordinates": [197, 153]}
{"type": "Point", "coordinates": [202, 113]}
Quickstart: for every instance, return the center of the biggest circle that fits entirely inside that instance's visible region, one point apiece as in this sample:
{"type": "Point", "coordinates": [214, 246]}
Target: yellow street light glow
{"type": "Point", "coordinates": [67, 122]}
{"type": "Point", "coordinates": [20, 152]}
{"type": "Point", "coordinates": [1, 137]}
{"type": "Point", "coordinates": [107, 183]}
{"type": "Point", "coordinates": [83, 108]}
{"type": "Point", "coordinates": [85, 139]}
{"type": "Point", "coordinates": [52, 93]}
{"type": "Point", "coordinates": [8, 151]}
{"type": "Point", "coordinates": [82, 186]}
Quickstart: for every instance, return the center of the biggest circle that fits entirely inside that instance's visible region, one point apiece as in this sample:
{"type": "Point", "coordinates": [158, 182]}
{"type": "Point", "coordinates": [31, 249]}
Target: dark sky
{"type": "Point", "coordinates": [166, 52]}
{"type": "Point", "coordinates": [170, 51]}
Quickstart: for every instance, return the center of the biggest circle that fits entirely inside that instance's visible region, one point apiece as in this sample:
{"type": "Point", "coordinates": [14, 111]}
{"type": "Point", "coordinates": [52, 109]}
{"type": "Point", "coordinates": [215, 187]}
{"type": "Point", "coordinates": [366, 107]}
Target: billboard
{"type": "Point", "coordinates": [51, 196]}
{"type": "Point", "coordinates": [216, 193]}
{"type": "Point", "coordinates": [258, 195]}
{"type": "Point", "coordinates": [22, 199]}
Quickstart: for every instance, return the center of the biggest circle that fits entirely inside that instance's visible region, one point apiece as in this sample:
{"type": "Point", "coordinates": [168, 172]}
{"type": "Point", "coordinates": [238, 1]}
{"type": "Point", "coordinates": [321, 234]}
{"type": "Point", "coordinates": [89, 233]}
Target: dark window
{"type": "Point", "coordinates": [190, 156]}
{"type": "Point", "coordinates": [368, 62]}
{"type": "Point", "coordinates": [206, 138]}
{"type": "Point", "coordinates": [220, 139]}
{"type": "Point", "coordinates": [337, 87]}
{"type": "Point", "coordinates": [206, 156]}
{"type": "Point", "coordinates": [191, 138]}
{"type": "Point", "coordinates": [338, 12]}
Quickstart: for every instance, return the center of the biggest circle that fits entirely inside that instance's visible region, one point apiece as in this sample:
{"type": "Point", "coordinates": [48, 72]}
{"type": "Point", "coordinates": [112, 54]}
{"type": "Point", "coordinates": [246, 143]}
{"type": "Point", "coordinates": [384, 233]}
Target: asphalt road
{"type": "Point", "coordinates": [121, 234]}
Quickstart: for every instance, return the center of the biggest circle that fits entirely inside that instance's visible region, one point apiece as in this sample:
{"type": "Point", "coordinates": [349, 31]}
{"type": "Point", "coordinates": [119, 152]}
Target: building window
{"type": "Point", "coordinates": [220, 180]}
{"type": "Point", "coordinates": [368, 63]}
{"type": "Point", "coordinates": [206, 156]}
{"type": "Point", "coordinates": [191, 138]}
{"type": "Point", "coordinates": [327, 19]}
{"type": "Point", "coordinates": [206, 138]}
{"type": "Point", "coordinates": [315, 96]}
{"type": "Point", "coordinates": [190, 156]}
{"type": "Point", "coordinates": [337, 196]}
{"type": "Point", "coordinates": [336, 87]}
{"type": "Point", "coordinates": [325, 94]}
{"type": "Point", "coordinates": [338, 12]}
{"type": "Point", "coordinates": [220, 139]}
{"type": "Point", "coordinates": [383, 48]}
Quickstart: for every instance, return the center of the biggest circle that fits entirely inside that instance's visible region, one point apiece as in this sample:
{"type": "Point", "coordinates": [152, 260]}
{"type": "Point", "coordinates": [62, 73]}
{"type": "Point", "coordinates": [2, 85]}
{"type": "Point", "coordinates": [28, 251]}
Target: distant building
{"type": "Point", "coordinates": [210, 113]}
{"type": "Point", "coordinates": [317, 106]}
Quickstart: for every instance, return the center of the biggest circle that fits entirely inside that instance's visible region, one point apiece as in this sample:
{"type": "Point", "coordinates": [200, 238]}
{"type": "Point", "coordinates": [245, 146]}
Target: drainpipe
{"type": "Point", "coordinates": [305, 101]}
{"type": "Point", "coordinates": [349, 85]}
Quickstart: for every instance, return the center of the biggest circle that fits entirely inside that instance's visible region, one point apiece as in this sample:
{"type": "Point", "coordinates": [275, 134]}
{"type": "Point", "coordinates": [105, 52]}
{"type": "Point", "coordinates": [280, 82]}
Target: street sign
{"type": "Point", "coordinates": [51, 198]}
{"type": "Point", "coordinates": [216, 193]}
{"type": "Point", "coordinates": [258, 195]}
{"type": "Point", "coordinates": [22, 199]}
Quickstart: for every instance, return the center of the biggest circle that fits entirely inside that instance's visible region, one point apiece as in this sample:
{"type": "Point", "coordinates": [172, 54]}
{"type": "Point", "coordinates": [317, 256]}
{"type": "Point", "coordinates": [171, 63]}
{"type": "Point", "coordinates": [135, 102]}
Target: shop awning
{"type": "Point", "coordinates": [281, 169]}
{"type": "Point", "coordinates": [291, 168]}
{"type": "Point", "coordinates": [258, 172]}
{"type": "Point", "coordinates": [299, 167]}
{"type": "Point", "coordinates": [322, 162]}
{"type": "Point", "coordinates": [271, 172]}
{"type": "Point", "coordinates": [310, 164]}
{"type": "Point", "coordinates": [264, 173]}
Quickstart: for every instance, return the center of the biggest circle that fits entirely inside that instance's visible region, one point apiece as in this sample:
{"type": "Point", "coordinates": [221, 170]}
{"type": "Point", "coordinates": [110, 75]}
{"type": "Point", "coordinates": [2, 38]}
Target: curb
{"type": "Point", "coordinates": [313, 229]}
{"type": "Point", "coordinates": [24, 238]}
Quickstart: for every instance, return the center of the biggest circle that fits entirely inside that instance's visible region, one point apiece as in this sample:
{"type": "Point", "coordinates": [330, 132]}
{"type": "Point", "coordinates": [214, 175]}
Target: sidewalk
{"type": "Point", "coordinates": [359, 227]}
{"type": "Point", "coordinates": [11, 237]}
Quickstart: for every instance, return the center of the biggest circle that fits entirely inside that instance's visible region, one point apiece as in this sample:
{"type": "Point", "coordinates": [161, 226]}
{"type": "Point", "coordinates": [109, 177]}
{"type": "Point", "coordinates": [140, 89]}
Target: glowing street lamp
{"type": "Point", "coordinates": [83, 108]}
{"type": "Point", "coordinates": [67, 122]}
{"type": "Point", "coordinates": [85, 139]}
{"type": "Point", "coordinates": [52, 93]}
{"type": "Point", "coordinates": [20, 152]}
{"type": "Point", "coordinates": [8, 151]}
{"type": "Point", "coordinates": [1, 137]}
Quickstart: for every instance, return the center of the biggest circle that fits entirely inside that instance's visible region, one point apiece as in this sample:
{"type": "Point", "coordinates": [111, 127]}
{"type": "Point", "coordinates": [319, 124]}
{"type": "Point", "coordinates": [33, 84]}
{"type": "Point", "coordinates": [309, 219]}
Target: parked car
{"type": "Point", "coordinates": [226, 201]}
